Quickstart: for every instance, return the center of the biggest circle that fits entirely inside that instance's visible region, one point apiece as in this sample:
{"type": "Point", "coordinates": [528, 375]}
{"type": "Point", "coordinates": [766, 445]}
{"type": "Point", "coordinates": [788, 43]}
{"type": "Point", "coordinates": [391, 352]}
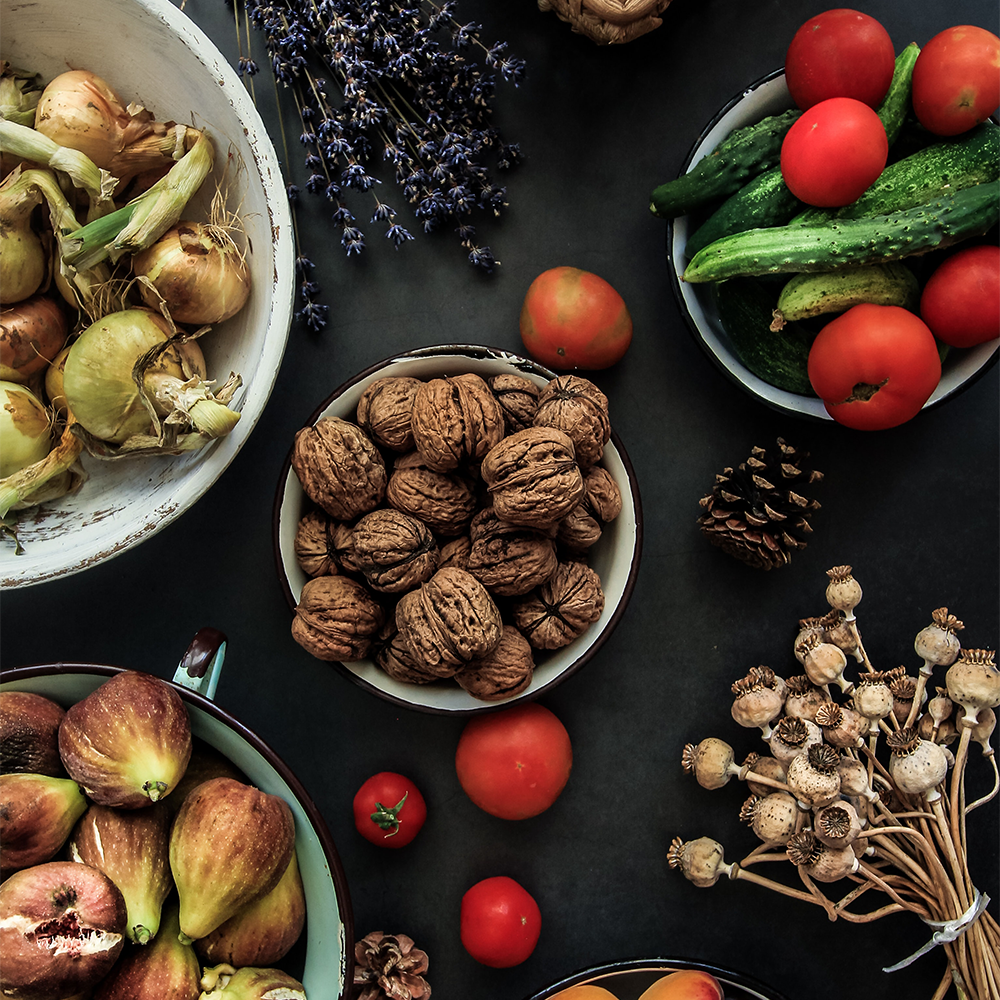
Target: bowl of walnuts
{"type": "Point", "coordinates": [457, 528]}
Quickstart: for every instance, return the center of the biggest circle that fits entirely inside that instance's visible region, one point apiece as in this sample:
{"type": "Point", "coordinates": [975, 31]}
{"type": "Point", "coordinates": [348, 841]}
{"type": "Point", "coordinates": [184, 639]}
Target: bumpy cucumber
{"type": "Point", "coordinates": [896, 103]}
{"type": "Point", "coordinates": [743, 154]}
{"type": "Point", "coordinates": [814, 294]}
{"type": "Point", "coordinates": [796, 248]}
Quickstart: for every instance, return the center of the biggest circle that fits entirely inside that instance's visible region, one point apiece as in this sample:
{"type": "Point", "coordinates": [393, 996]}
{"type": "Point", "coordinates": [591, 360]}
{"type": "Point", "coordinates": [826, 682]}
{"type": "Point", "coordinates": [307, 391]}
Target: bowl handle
{"type": "Point", "coordinates": [201, 663]}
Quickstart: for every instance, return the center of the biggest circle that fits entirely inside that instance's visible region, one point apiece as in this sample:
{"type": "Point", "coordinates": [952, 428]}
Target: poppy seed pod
{"type": "Point", "coordinates": [917, 766]}
{"type": "Point", "coordinates": [843, 592]}
{"type": "Point", "coordinates": [937, 645]}
{"type": "Point", "coordinates": [701, 860]}
{"type": "Point", "coordinates": [973, 682]}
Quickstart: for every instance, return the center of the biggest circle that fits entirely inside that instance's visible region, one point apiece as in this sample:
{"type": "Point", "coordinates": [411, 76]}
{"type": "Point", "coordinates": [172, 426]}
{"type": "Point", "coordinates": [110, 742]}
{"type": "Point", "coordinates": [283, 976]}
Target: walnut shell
{"type": "Point", "coordinates": [575, 405]}
{"type": "Point", "coordinates": [343, 547]}
{"type": "Point", "coordinates": [518, 398]}
{"type": "Point", "coordinates": [601, 504]}
{"type": "Point", "coordinates": [503, 672]}
{"type": "Point", "coordinates": [444, 501]}
{"type": "Point", "coordinates": [394, 551]}
{"type": "Point", "coordinates": [448, 621]}
{"type": "Point", "coordinates": [392, 655]}
{"type": "Point", "coordinates": [533, 477]}
{"type": "Point", "coordinates": [455, 552]}
{"type": "Point", "coordinates": [561, 609]}
{"type": "Point", "coordinates": [336, 619]}
{"type": "Point", "coordinates": [455, 420]}
{"type": "Point", "coordinates": [339, 467]}
{"type": "Point", "coordinates": [313, 545]}
{"type": "Point", "coordinates": [384, 411]}
{"type": "Point", "coordinates": [509, 559]}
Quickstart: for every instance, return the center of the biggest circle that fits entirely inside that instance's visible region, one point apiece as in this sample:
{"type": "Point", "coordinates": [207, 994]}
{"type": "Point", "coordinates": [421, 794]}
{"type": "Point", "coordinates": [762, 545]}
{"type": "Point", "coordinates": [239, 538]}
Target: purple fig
{"type": "Point", "coordinates": [29, 734]}
{"type": "Point", "coordinates": [166, 969]}
{"type": "Point", "coordinates": [61, 930]}
{"type": "Point", "coordinates": [263, 932]}
{"type": "Point", "coordinates": [131, 847]}
{"type": "Point", "coordinates": [226, 983]}
{"type": "Point", "coordinates": [229, 845]}
{"type": "Point", "coordinates": [128, 742]}
{"type": "Point", "coordinates": [37, 814]}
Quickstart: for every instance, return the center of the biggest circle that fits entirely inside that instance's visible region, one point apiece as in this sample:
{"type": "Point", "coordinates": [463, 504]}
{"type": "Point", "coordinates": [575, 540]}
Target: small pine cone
{"type": "Point", "coordinates": [755, 513]}
{"type": "Point", "coordinates": [390, 965]}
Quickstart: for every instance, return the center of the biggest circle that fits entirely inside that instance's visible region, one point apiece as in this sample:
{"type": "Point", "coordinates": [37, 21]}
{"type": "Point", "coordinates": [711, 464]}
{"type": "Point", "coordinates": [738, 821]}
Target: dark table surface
{"type": "Point", "coordinates": [913, 510]}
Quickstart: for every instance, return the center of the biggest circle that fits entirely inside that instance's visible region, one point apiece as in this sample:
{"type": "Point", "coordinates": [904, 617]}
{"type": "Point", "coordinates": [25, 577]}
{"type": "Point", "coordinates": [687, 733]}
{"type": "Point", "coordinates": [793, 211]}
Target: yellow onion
{"type": "Point", "coordinates": [197, 271]}
{"type": "Point", "coordinates": [32, 333]}
{"type": "Point", "coordinates": [23, 263]}
{"type": "Point", "coordinates": [25, 429]}
{"type": "Point", "coordinates": [54, 391]}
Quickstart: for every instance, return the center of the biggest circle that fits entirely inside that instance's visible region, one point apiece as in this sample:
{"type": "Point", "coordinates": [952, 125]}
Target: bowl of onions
{"type": "Point", "coordinates": [147, 278]}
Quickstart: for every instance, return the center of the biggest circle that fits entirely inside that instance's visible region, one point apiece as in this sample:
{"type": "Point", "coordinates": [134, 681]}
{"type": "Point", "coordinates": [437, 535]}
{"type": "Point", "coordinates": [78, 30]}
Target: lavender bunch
{"type": "Point", "coordinates": [389, 81]}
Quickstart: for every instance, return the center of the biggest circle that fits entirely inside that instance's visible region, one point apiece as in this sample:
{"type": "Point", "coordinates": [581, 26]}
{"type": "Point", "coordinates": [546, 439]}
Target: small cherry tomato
{"type": "Point", "coordinates": [839, 53]}
{"type": "Point", "coordinates": [956, 80]}
{"type": "Point", "coordinates": [874, 366]}
{"type": "Point", "coordinates": [389, 810]}
{"type": "Point", "coordinates": [574, 319]}
{"type": "Point", "coordinates": [499, 922]}
{"type": "Point", "coordinates": [514, 763]}
{"type": "Point", "coordinates": [961, 300]}
{"type": "Point", "coordinates": [833, 152]}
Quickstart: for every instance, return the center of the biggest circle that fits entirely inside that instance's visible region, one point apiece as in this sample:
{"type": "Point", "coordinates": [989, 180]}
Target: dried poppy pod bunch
{"type": "Point", "coordinates": [450, 524]}
{"type": "Point", "coordinates": [865, 783]}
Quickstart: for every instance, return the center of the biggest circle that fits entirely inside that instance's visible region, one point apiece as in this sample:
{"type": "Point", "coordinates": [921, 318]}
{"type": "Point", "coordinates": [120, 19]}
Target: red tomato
{"type": "Point", "coordinates": [389, 810]}
{"type": "Point", "coordinates": [961, 300]}
{"type": "Point", "coordinates": [574, 319]}
{"type": "Point", "coordinates": [839, 53]}
{"type": "Point", "coordinates": [956, 80]}
{"type": "Point", "coordinates": [874, 366]}
{"type": "Point", "coordinates": [500, 922]}
{"type": "Point", "coordinates": [514, 763]}
{"type": "Point", "coordinates": [833, 152]}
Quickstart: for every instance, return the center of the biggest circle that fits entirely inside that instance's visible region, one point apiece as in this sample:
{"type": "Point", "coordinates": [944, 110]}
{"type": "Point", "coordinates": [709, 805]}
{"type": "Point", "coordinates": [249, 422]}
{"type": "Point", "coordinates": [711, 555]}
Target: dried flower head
{"type": "Point", "coordinates": [823, 758]}
{"type": "Point", "coordinates": [903, 742]}
{"type": "Point", "coordinates": [390, 966]}
{"type": "Point", "coordinates": [803, 848]}
{"type": "Point", "coordinates": [748, 809]}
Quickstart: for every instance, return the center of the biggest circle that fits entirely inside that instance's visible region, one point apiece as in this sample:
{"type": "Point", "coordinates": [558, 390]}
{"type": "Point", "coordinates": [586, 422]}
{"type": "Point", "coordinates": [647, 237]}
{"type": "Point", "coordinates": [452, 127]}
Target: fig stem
{"type": "Point", "coordinates": [386, 818]}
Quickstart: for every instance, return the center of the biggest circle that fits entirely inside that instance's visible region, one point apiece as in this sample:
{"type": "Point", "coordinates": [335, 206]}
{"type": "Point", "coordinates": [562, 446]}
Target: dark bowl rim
{"type": "Point", "coordinates": [693, 327]}
{"type": "Point", "coordinates": [482, 351]}
{"type": "Point", "coordinates": [337, 871]}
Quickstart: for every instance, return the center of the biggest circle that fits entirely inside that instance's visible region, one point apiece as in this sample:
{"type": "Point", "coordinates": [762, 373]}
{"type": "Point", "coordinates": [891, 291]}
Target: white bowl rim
{"type": "Point", "coordinates": [527, 365]}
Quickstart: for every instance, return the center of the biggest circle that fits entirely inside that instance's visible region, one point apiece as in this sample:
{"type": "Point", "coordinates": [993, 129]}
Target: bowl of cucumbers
{"type": "Point", "coordinates": [757, 322]}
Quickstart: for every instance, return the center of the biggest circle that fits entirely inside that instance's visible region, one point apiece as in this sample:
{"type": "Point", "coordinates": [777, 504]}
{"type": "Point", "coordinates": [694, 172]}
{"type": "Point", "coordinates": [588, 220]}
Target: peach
{"type": "Point", "coordinates": [686, 984]}
{"type": "Point", "coordinates": [584, 991]}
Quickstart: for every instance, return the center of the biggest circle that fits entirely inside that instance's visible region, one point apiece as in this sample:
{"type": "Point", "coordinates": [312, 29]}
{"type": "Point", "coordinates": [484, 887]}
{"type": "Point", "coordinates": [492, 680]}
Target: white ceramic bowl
{"type": "Point", "coordinates": [615, 557]}
{"type": "Point", "coordinates": [153, 54]}
{"type": "Point", "coordinates": [324, 960]}
{"type": "Point", "coordinates": [770, 96]}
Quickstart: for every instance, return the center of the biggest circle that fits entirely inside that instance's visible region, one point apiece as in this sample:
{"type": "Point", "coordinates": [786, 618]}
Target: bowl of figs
{"type": "Point", "coordinates": [152, 846]}
{"type": "Point", "coordinates": [457, 528]}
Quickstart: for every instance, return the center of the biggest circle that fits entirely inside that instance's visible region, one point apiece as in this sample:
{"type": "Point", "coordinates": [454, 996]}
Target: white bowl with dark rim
{"type": "Point", "coordinates": [770, 96]}
{"type": "Point", "coordinates": [323, 958]}
{"type": "Point", "coordinates": [615, 557]}
{"type": "Point", "coordinates": [153, 54]}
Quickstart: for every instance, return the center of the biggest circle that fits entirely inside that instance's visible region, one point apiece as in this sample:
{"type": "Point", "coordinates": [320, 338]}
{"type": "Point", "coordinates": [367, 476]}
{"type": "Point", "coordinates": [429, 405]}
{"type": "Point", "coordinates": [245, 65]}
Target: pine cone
{"type": "Point", "coordinates": [389, 966]}
{"type": "Point", "coordinates": [754, 515]}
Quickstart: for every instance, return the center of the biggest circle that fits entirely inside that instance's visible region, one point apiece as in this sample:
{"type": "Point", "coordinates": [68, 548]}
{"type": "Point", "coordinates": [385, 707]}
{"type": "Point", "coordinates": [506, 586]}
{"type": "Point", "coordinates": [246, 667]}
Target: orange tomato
{"type": "Point", "coordinates": [685, 984]}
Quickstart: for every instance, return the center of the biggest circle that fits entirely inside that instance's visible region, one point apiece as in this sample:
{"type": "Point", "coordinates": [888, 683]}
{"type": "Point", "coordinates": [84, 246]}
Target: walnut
{"type": "Point", "coordinates": [444, 501]}
{"type": "Point", "coordinates": [502, 673]}
{"type": "Point", "coordinates": [313, 544]}
{"type": "Point", "coordinates": [601, 504]}
{"type": "Point", "coordinates": [575, 405]}
{"type": "Point", "coordinates": [509, 559]}
{"type": "Point", "coordinates": [384, 411]}
{"type": "Point", "coordinates": [393, 656]}
{"type": "Point", "coordinates": [394, 551]}
{"type": "Point", "coordinates": [561, 609]}
{"type": "Point", "coordinates": [455, 552]}
{"type": "Point", "coordinates": [518, 398]}
{"type": "Point", "coordinates": [339, 467]}
{"type": "Point", "coordinates": [455, 420]}
{"type": "Point", "coordinates": [336, 619]}
{"type": "Point", "coordinates": [343, 547]}
{"type": "Point", "coordinates": [533, 477]}
{"type": "Point", "coordinates": [448, 621]}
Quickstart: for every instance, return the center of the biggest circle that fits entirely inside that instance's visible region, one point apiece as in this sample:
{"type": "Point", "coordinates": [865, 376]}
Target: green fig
{"type": "Point", "coordinates": [29, 734]}
{"type": "Point", "coordinates": [128, 742]}
{"type": "Point", "coordinates": [226, 983]}
{"type": "Point", "coordinates": [166, 969]}
{"type": "Point", "coordinates": [131, 847]}
{"type": "Point", "coordinates": [206, 762]}
{"type": "Point", "coordinates": [263, 932]}
{"type": "Point", "coordinates": [229, 846]}
{"type": "Point", "coordinates": [37, 814]}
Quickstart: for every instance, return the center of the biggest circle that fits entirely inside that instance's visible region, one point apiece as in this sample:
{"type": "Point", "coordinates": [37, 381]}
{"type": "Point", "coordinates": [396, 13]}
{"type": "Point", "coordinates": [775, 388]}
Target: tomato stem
{"type": "Point", "coordinates": [387, 818]}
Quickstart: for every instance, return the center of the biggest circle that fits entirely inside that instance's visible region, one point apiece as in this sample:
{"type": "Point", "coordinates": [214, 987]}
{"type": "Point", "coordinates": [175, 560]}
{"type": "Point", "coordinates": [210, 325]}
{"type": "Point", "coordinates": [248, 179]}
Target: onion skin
{"type": "Point", "coordinates": [32, 333]}
{"type": "Point", "coordinates": [25, 431]}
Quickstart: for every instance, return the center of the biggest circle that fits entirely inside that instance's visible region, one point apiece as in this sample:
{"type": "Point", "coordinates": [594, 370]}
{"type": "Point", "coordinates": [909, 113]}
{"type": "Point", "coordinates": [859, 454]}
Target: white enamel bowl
{"type": "Point", "coordinates": [154, 55]}
{"type": "Point", "coordinates": [615, 557]}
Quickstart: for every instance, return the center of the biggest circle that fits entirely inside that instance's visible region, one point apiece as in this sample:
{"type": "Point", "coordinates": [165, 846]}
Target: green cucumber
{"type": "Point", "coordinates": [792, 249]}
{"type": "Point", "coordinates": [814, 294]}
{"type": "Point", "coordinates": [743, 154]}
{"type": "Point", "coordinates": [896, 103]}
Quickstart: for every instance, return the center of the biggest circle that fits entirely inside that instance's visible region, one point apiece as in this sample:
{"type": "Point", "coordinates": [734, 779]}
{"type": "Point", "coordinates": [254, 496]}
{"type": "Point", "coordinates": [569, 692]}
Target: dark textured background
{"type": "Point", "coordinates": [913, 510]}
